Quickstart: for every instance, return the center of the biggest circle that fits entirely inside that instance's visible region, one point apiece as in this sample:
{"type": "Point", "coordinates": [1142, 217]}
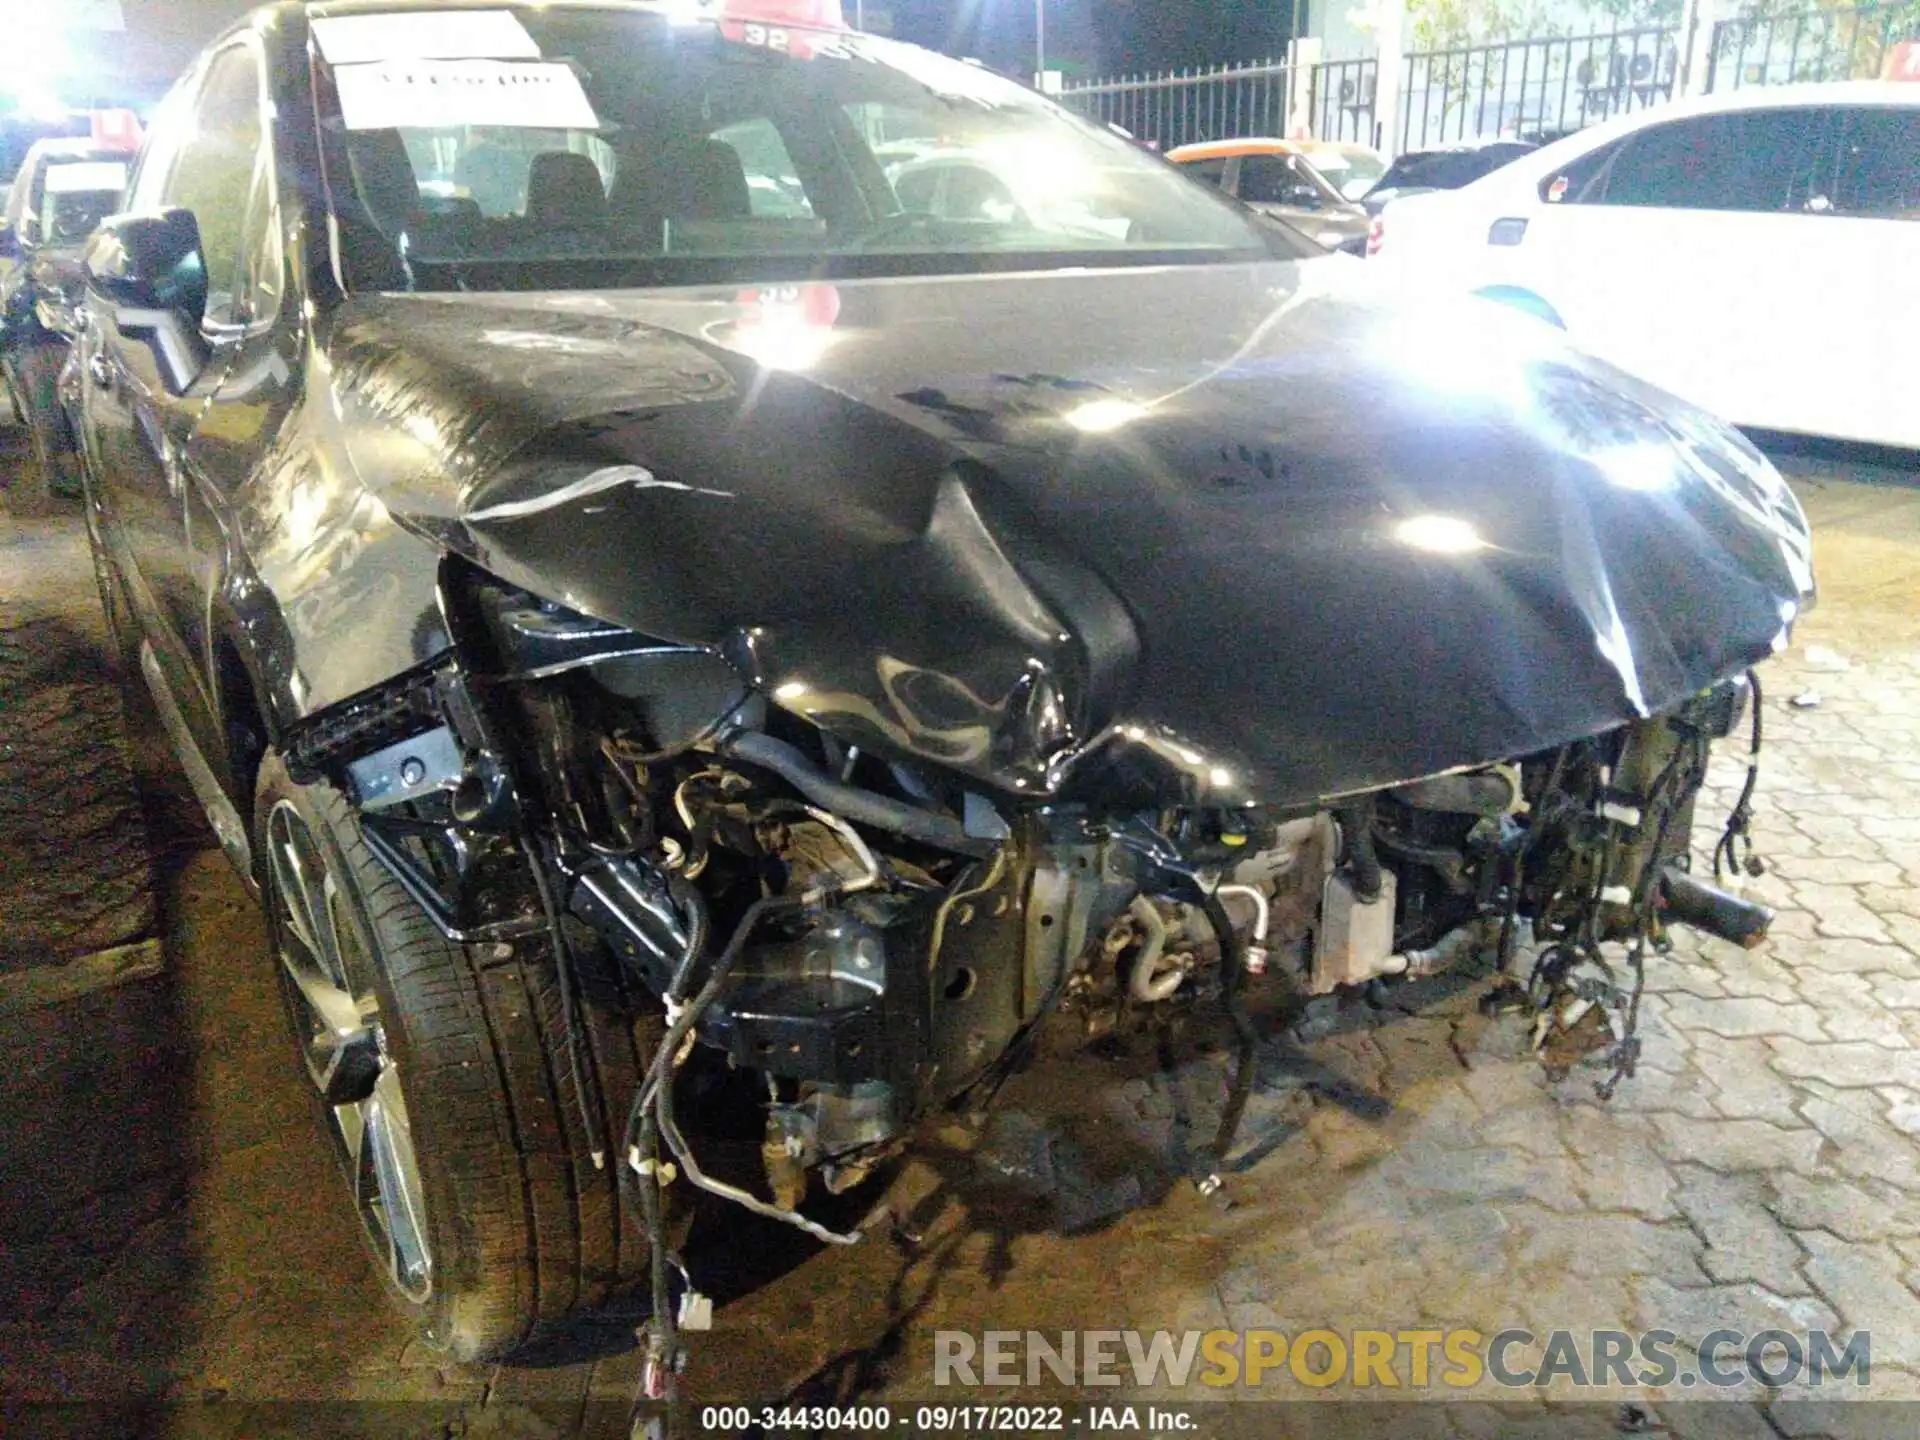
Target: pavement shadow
{"type": "Point", "coordinates": [97, 1261]}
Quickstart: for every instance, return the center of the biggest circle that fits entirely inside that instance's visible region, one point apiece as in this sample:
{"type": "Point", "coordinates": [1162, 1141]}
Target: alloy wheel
{"type": "Point", "coordinates": [330, 973]}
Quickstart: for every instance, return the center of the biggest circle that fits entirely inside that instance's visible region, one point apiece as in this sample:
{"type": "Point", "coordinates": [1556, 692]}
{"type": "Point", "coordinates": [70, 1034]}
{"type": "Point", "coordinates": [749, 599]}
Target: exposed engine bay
{"type": "Point", "coordinates": [870, 939]}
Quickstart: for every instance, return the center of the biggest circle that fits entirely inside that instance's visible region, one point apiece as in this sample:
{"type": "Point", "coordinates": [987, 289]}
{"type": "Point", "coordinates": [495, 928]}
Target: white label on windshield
{"type": "Point", "coordinates": [431, 94]}
{"type": "Point", "coordinates": [86, 175]}
{"type": "Point", "coordinates": [424, 35]}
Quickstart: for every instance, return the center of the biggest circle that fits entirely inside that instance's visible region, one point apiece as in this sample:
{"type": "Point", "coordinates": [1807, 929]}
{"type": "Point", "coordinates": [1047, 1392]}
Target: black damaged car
{"type": "Point", "coordinates": [654, 615]}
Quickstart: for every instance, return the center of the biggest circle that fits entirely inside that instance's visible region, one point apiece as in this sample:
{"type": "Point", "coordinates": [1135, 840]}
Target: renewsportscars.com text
{"type": "Point", "coordinates": [1413, 1359]}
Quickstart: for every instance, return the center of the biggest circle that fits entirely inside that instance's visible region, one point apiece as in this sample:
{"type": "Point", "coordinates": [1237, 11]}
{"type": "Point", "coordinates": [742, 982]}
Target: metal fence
{"type": "Point", "coordinates": [1807, 45]}
{"type": "Point", "coordinates": [1182, 106]}
{"type": "Point", "coordinates": [1523, 89]}
{"type": "Point", "coordinates": [1342, 100]}
{"type": "Point", "coordinates": [1534, 89]}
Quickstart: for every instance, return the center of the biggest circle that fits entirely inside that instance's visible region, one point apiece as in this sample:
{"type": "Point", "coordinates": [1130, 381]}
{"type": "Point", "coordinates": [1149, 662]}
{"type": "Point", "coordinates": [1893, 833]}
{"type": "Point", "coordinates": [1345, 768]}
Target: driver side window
{"type": "Point", "coordinates": [205, 160]}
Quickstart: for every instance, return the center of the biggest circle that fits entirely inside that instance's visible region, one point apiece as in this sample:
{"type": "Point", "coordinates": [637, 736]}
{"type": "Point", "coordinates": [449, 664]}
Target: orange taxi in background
{"type": "Point", "coordinates": [1282, 178]}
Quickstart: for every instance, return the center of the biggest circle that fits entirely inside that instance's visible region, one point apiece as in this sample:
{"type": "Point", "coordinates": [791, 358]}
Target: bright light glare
{"type": "Point", "coordinates": [1637, 467]}
{"type": "Point", "coordinates": [1439, 535]}
{"type": "Point", "coordinates": [1470, 348]}
{"type": "Point", "coordinates": [782, 343]}
{"type": "Point", "coordinates": [36, 49]}
{"type": "Point", "coordinates": [1097, 417]}
{"type": "Point", "coordinates": [791, 690]}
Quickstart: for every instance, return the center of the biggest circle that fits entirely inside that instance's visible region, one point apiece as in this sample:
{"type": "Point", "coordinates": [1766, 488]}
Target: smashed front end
{"type": "Point", "coordinates": [871, 936]}
{"type": "Point", "coordinates": [987, 720]}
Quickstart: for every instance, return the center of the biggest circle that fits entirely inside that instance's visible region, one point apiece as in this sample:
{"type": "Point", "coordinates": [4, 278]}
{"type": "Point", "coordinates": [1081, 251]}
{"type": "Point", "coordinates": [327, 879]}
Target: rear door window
{"type": "Point", "coordinates": [1758, 161]}
{"type": "Point", "coordinates": [1580, 182]}
{"type": "Point", "coordinates": [1877, 165]}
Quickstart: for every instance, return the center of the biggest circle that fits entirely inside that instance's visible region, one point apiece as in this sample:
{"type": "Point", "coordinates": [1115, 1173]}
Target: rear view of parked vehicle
{"type": "Point", "coordinates": [1446, 167]}
{"type": "Point", "coordinates": [64, 188]}
{"type": "Point", "coordinates": [1757, 252]}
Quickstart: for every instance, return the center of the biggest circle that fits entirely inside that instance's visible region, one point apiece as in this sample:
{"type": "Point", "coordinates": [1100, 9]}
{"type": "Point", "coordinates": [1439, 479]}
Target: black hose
{"type": "Point", "coordinates": [862, 807]}
{"type": "Point", "coordinates": [1233, 958]}
{"type": "Point", "coordinates": [1740, 818]}
{"type": "Point", "coordinates": [1527, 842]}
{"type": "Point", "coordinates": [665, 1325]}
{"type": "Point", "coordinates": [568, 979]}
{"type": "Point", "coordinates": [699, 922]}
{"type": "Point", "coordinates": [1356, 824]}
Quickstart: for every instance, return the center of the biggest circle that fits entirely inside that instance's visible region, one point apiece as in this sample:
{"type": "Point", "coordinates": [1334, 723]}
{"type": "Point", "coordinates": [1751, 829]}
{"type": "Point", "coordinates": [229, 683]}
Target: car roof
{"type": "Point", "coordinates": [1224, 149]}
{"type": "Point", "coordinates": [1466, 147]}
{"type": "Point", "coordinates": [71, 147]}
{"type": "Point", "coordinates": [1747, 99]}
{"type": "Point", "coordinates": [1780, 97]}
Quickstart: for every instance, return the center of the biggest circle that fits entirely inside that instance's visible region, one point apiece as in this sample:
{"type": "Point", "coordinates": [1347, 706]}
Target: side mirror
{"type": "Point", "coordinates": [150, 272]}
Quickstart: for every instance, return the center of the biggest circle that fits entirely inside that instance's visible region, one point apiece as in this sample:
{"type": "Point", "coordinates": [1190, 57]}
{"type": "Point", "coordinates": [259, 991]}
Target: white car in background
{"type": "Point", "coordinates": [1756, 252]}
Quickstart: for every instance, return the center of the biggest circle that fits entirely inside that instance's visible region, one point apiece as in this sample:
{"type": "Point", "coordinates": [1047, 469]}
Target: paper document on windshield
{"type": "Point", "coordinates": [86, 175]}
{"type": "Point", "coordinates": [424, 35]}
{"type": "Point", "coordinates": [430, 94]}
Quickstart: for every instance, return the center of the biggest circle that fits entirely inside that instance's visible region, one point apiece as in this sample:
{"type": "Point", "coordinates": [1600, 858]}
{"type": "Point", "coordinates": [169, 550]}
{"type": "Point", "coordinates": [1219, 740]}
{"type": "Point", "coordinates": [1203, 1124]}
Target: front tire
{"type": "Point", "coordinates": [440, 1082]}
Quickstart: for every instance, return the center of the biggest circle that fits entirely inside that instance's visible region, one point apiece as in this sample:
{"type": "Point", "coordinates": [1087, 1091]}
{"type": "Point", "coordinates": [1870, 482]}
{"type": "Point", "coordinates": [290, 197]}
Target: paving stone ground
{"type": "Point", "coordinates": [75, 874]}
{"type": "Point", "coordinates": [170, 1227]}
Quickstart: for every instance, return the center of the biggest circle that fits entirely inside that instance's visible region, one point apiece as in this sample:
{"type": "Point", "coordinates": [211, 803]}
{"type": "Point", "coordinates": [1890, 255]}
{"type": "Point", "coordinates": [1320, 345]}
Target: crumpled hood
{"type": "Point", "coordinates": [1201, 535]}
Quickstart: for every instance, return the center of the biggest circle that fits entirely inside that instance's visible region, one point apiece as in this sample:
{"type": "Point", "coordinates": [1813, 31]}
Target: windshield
{"type": "Point", "coordinates": [586, 148]}
{"type": "Point", "coordinates": [1447, 169]}
{"type": "Point", "coordinates": [1351, 172]}
{"type": "Point", "coordinates": [80, 194]}
{"type": "Point", "coordinates": [71, 216]}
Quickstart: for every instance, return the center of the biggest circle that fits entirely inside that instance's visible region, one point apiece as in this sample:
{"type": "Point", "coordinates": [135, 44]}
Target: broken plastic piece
{"type": "Point", "coordinates": [649, 1167]}
{"type": "Point", "coordinates": [1355, 941]}
{"type": "Point", "coordinates": [696, 1311]}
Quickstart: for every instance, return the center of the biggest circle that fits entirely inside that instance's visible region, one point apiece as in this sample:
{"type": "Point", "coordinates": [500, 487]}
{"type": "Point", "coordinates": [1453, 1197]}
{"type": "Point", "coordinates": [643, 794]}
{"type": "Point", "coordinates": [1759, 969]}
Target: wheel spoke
{"type": "Point", "coordinates": [329, 932]}
{"type": "Point", "coordinates": [390, 1139]}
{"type": "Point", "coordinates": [333, 1007]}
{"type": "Point", "coordinates": [325, 955]}
{"type": "Point", "coordinates": [290, 881]}
{"type": "Point", "coordinates": [353, 1133]}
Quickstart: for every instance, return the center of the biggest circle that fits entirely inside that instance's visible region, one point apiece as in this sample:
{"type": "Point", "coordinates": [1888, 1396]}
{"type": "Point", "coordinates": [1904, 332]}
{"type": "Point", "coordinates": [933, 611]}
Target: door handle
{"type": "Point", "coordinates": [101, 371]}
